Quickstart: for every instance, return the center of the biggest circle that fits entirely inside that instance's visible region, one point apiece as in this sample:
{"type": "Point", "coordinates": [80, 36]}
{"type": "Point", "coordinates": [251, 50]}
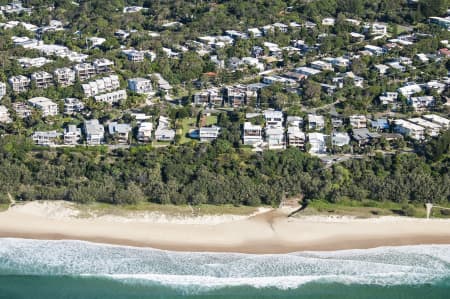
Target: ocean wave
{"type": "Point", "coordinates": [195, 271]}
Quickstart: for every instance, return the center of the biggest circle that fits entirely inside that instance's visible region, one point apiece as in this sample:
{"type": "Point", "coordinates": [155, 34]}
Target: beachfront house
{"type": "Point", "coordinates": [72, 135]}
{"type": "Point", "coordinates": [252, 134]}
{"type": "Point", "coordinates": [95, 132]}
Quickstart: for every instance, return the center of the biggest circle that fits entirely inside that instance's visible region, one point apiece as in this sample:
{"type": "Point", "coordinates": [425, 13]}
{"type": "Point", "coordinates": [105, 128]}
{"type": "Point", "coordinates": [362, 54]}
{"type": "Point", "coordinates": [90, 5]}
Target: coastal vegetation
{"type": "Point", "coordinates": [218, 174]}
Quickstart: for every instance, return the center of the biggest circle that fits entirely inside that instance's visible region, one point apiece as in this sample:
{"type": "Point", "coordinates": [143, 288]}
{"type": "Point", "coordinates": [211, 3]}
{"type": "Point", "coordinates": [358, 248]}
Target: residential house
{"type": "Point", "coordinates": [295, 137]}
{"type": "Point", "coordinates": [72, 135]}
{"type": "Point", "coordinates": [236, 95]}
{"type": "Point", "coordinates": [4, 115]}
{"type": "Point", "coordinates": [422, 103]}
{"type": "Point", "coordinates": [46, 138]}
{"type": "Point", "coordinates": [215, 97]}
{"type": "Point", "coordinates": [442, 121]}
{"type": "Point", "coordinates": [163, 84]}
{"type": "Point", "coordinates": [432, 129]}
{"type": "Point", "coordinates": [64, 76]}
{"type": "Point", "coordinates": [307, 71]}
{"type": "Point", "coordinates": [163, 131]}
{"type": "Point", "coordinates": [252, 134]}
{"type": "Point", "coordinates": [317, 143]}
{"type": "Point", "coordinates": [409, 129]}
{"type": "Point", "coordinates": [140, 85]}
{"type": "Point", "coordinates": [22, 110]}
{"type": "Point", "coordinates": [144, 133]}
{"type": "Point", "coordinates": [120, 132]}
{"type": "Point", "coordinates": [19, 83]}
{"type": "Point", "coordinates": [47, 107]}
{"type": "Point", "coordinates": [381, 68]}
{"type": "Point", "coordinates": [379, 29]}
{"type": "Point", "coordinates": [37, 62]}
{"type": "Point", "coordinates": [328, 21]}
{"type": "Point", "coordinates": [95, 132]}
{"type": "Point", "coordinates": [380, 124]}
{"type": "Point", "coordinates": [364, 136]}
{"type": "Point", "coordinates": [201, 98]}
{"type": "Point", "coordinates": [388, 98]}
{"type": "Point", "coordinates": [358, 121]}
{"type": "Point", "coordinates": [2, 90]}
{"type": "Point", "coordinates": [134, 55]}
{"type": "Point", "coordinates": [84, 71]}
{"type": "Point", "coordinates": [274, 119]}
{"type": "Point", "coordinates": [275, 137]}
{"type": "Point", "coordinates": [42, 79]}
{"type": "Point", "coordinates": [357, 80]}
{"type": "Point", "coordinates": [336, 122]}
{"type": "Point", "coordinates": [209, 133]}
{"type": "Point", "coordinates": [102, 85]}
{"type": "Point", "coordinates": [112, 97]}
{"type": "Point", "coordinates": [72, 106]}
{"type": "Point", "coordinates": [435, 86]}
{"type": "Point", "coordinates": [340, 139]}
{"type": "Point", "coordinates": [374, 50]}
{"type": "Point", "coordinates": [295, 121]}
{"type": "Point", "coordinates": [409, 90]}
{"type": "Point", "coordinates": [103, 65]}
{"type": "Point", "coordinates": [321, 65]}
{"type": "Point", "coordinates": [316, 122]}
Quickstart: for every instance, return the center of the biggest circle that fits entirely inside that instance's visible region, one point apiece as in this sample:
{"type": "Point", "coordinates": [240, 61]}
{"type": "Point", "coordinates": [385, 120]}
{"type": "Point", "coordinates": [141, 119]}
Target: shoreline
{"type": "Point", "coordinates": [267, 232]}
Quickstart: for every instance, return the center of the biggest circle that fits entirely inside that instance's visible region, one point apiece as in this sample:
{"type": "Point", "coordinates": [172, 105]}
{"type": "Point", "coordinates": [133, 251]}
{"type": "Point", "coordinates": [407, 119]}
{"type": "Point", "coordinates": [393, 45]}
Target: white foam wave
{"type": "Point", "coordinates": [198, 271]}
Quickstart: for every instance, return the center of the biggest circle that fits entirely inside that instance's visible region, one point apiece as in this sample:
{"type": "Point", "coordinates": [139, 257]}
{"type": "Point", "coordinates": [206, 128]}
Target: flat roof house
{"type": "Point", "coordinates": [275, 138]}
{"type": "Point", "coordinates": [358, 121]}
{"type": "Point", "coordinates": [64, 76]}
{"type": "Point", "coordinates": [42, 79]}
{"type": "Point", "coordinates": [144, 133]}
{"type": "Point", "coordinates": [316, 122]}
{"type": "Point", "coordinates": [4, 115]}
{"type": "Point", "coordinates": [207, 134]}
{"type": "Point", "coordinates": [120, 132]}
{"type": "Point", "coordinates": [19, 83]}
{"type": "Point", "coordinates": [2, 90]}
{"type": "Point", "coordinates": [422, 103]}
{"type": "Point", "coordinates": [140, 85]}
{"type": "Point", "coordinates": [47, 107]}
{"type": "Point", "coordinates": [340, 139]}
{"type": "Point", "coordinates": [431, 128]}
{"type": "Point", "coordinates": [84, 71]}
{"type": "Point", "coordinates": [72, 135]}
{"type": "Point", "coordinates": [72, 106]}
{"type": "Point", "coordinates": [95, 132]}
{"type": "Point", "coordinates": [317, 143]}
{"type": "Point", "coordinates": [112, 97]}
{"type": "Point", "coordinates": [274, 119]}
{"type": "Point", "coordinates": [252, 134]}
{"type": "Point", "coordinates": [442, 121]}
{"type": "Point", "coordinates": [295, 137]}
{"type": "Point", "coordinates": [409, 129]}
{"type": "Point", "coordinates": [46, 138]}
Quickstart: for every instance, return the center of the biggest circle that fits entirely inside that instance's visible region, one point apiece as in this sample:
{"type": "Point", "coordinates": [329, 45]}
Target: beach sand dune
{"type": "Point", "coordinates": [269, 231]}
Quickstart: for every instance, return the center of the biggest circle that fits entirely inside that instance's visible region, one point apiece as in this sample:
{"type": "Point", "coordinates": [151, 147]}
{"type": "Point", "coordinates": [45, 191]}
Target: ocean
{"type": "Point", "coordinates": [76, 269]}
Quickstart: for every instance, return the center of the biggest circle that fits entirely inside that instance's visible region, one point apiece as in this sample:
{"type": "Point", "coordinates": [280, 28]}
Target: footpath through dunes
{"type": "Point", "coordinates": [271, 231]}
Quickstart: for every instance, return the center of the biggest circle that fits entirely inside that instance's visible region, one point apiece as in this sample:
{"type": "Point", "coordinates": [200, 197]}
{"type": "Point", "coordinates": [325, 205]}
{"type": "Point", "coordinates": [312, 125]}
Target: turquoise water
{"type": "Point", "coordinates": [74, 269]}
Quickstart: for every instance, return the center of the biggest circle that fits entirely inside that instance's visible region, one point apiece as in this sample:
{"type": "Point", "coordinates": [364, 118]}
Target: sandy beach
{"type": "Point", "coordinates": [267, 231]}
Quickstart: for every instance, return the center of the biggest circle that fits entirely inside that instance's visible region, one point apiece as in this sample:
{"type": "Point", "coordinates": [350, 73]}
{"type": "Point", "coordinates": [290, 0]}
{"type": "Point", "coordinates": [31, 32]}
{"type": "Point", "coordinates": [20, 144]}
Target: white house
{"type": "Point", "coordinates": [72, 106]}
{"type": "Point", "coordinates": [112, 97]}
{"type": "Point", "coordinates": [209, 133]}
{"type": "Point", "coordinates": [19, 83]}
{"type": "Point", "coordinates": [409, 90]}
{"type": "Point", "coordinates": [274, 119]}
{"type": "Point", "coordinates": [422, 103]}
{"type": "Point", "coordinates": [316, 122]}
{"type": "Point", "coordinates": [2, 90]}
{"type": "Point", "coordinates": [295, 137]}
{"type": "Point", "coordinates": [42, 79]}
{"type": "Point", "coordinates": [378, 29]}
{"type": "Point", "coordinates": [252, 134]}
{"type": "Point", "coordinates": [144, 133]}
{"type": "Point", "coordinates": [340, 139]}
{"type": "Point", "coordinates": [95, 132]}
{"type": "Point", "coordinates": [442, 121]}
{"type": "Point", "coordinates": [84, 71]}
{"type": "Point", "coordinates": [47, 107]}
{"type": "Point", "coordinates": [388, 98]}
{"type": "Point", "coordinates": [431, 128]}
{"type": "Point", "coordinates": [72, 135]}
{"type": "Point", "coordinates": [140, 85]}
{"type": "Point", "coordinates": [358, 121]}
{"type": "Point", "coordinates": [46, 138]}
{"type": "Point", "coordinates": [64, 76]}
{"type": "Point", "coordinates": [275, 138]}
{"type": "Point", "coordinates": [409, 129]}
{"type": "Point", "coordinates": [4, 115]}
{"type": "Point", "coordinates": [120, 132]}
{"type": "Point", "coordinates": [134, 55]}
{"type": "Point", "coordinates": [317, 143]}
